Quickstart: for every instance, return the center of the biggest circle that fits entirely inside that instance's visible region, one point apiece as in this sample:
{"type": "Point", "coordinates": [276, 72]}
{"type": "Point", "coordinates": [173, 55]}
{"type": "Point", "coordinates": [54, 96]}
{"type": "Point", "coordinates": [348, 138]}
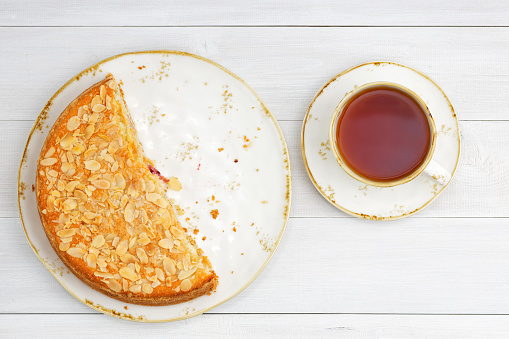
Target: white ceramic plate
{"type": "Point", "coordinates": [352, 196]}
{"type": "Point", "coordinates": [204, 125]}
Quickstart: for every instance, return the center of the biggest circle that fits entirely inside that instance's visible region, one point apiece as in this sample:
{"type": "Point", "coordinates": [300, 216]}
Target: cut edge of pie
{"type": "Point", "coordinates": [104, 209]}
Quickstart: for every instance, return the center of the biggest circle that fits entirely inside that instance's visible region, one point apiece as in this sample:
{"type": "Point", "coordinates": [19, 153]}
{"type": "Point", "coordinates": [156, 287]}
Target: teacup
{"type": "Point", "coordinates": [383, 134]}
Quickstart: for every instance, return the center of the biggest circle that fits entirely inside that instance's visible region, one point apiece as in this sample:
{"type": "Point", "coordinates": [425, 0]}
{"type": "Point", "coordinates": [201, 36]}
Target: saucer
{"type": "Point", "coordinates": [349, 194]}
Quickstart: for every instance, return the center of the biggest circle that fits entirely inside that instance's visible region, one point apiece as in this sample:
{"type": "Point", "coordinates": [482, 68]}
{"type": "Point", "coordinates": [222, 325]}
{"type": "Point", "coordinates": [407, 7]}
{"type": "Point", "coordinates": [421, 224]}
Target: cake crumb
{"type": "Point", "coordinates": [220, 149]}
{"type": "Point", "coordinates": [204, 238]}
{"type": "Point", "coordinates": [234, 229]}
{"type": "Point", "coordinates": [214, 213]}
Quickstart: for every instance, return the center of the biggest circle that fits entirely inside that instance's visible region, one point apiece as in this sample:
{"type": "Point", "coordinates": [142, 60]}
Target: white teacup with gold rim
{"type": "Point", "coordinates": [382, 134]}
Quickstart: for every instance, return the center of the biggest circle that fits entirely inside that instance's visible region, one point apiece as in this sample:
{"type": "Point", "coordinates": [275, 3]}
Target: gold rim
{"type": "Point", "coordinates": [303, 151]}
{"type": "Point", "coordinates": [337, 114]}
{"type": "Point", "coordinates": [122, 315]}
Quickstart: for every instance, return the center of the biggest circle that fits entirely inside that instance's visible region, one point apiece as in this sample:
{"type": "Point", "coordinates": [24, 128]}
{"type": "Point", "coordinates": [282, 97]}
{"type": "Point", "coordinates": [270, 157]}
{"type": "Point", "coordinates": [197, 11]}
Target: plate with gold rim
{"type": "Point", "coordinates": [352, 196]}
{"type": "Point", "coordinates": [204, 125]}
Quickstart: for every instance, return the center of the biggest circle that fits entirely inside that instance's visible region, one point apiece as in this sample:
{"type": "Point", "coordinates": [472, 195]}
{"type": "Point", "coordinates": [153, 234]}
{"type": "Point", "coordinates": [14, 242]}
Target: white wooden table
{"type": "Point", "coordinates": [441, 273]}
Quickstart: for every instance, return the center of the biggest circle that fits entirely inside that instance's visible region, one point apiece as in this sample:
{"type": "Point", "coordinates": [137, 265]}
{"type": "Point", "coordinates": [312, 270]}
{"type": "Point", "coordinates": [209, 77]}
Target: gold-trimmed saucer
{"type": "Point", "coordinates": [362, 200]}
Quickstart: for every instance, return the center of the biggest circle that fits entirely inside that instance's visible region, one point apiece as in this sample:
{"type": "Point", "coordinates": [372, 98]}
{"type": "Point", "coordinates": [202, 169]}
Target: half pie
{"type": "Point", "coordinates": [103, 207]}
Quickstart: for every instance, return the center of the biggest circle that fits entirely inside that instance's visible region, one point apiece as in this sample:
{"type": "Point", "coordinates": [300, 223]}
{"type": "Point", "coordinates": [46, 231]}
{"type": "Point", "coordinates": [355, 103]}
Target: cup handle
{"type": "Point", "coordinates": [437, 173]}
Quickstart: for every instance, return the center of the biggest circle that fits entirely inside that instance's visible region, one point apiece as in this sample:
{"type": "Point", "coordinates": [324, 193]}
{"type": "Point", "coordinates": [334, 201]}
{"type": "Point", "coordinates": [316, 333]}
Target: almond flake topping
{"type": "Point", "coordinates": [50, 152]}
{"type": "Point", "coordinates": [169, 266]}
{"type": "Point", "coordinates": [67, 141]}
{"type": "Point", "coordinates": [66, 233]}
{"type": "Point", "coordinates": [64, 246]}
{"type": "Point", "coordinates": [89, 131]}
{"type": "Point", "coordinates": [176, 232]}
{"type": "Point", "coordinates": [128, 273]}
{"type": "Point", "coordinates": [98, 241]}
{"type": "Point", "coordinates": [48, 161]}
{"type": "Point", "coordinates": [165, 243]}
{"type": "Point", "coordinates": [73, 123]}
{"type": "Point", "coordinates": [185, 285]}
{"type": "Point", "coordinates": [114, 285]}
{"type": "Point", "coordinates": [186, 274]}
{"type": "Point", "coordinates": [92, 165]}
{"type": "Point", "coordinates": [129, 212]}
{"type": "Point", "coordinates": [76, 252]}
{"type": "Point", "coordinates": [101, 184]}
{"type": "Point", "coordinates": [122, 248]}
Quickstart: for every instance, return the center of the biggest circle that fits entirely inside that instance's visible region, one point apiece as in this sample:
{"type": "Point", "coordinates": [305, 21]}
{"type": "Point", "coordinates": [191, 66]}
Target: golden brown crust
{"type": "Point", "coordinates": [106, 215]}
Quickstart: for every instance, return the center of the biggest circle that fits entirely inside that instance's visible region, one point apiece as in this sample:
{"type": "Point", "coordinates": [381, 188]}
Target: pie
{"type": "Point", "coordinates": [104, 209]}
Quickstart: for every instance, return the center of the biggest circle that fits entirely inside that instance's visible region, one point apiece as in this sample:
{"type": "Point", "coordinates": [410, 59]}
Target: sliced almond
{"type": "Point", "coordinates": [93, 118]}
{"type": "Point", "coordinates": [67, 141]}
{"type": "Point", "coordinates": [169, 266]}
{"type": "Point", "coordinates": [146, 288]}
{"type": "Point", "coordinates": [66, 233]}
{"type": "Point", "coordinates": [129, 212]}
{"type": "Point", "coordinates": [73, 123]}
{"type": "Point", "coordinates": [69, 204]}
{"type": "Point", "coordinates": [101, 184]}
{"type": "Point", "coordinates": [175, 184]}
{"type": "Point", "coordinates": [91, 216]}
{"type": "Point", "coordinates": [50, 152]}
{"type": "Point", "coordinates": [163, 203]}
{"type": "Point", "coordinates": [113, 147]}
{"type": "Point", "coordinates": [66, 167]}
{"type": "Point", "coordinates": [89, 131]}
{"type": "Point", "coordinates": [92, 260]}
{"type": "Point", "coordinates": [128, 273]}
{"type": "Point", "coordinates": [152, 197]}
{"type": "Point", "coordinates": [48, 161]}
{"type": "Point", "coordinates": [120, 181]}
{"type": "Point", "coordinates": [103, 274]}
{"type": "Point", "coordinates": [115, 242]}
{"type": "Point", "coordinates": [128, 258]}
{"type": "Point", "coordinates": [122, 247]}
{"type": "Point", "coordinates": [135, 288]}
{"type": "Point", "coordinates": [96, 100]}
{"type": "Point", "coordinates": [114, 285]}
{"type": "Point", "coordinates": [159, 274]}
{"type": "Point", "coordinates": [150, 186]}
{"type": "Point", "coordinates": [76, 252]}
{"type": "Point", "coordinates": [143, 241]}
{"type": "Point", "coordinates": [90, 152]}
{"type": "Point", "coordinates": [102, 92]}
{"type": "Point", "coordinates": [80, 195]}
{"type": "Point", "coordinates": [77, 149]}
{"type": "Point", "coordinates": [108, 102]}
{"type": "Point", "coordinates": [165, 243]}
{"type": "Point", "coordinates": [185, 285]}
{"type": "Point", "coordinates": [98, 241]}
{"type": "Point", "coordinates": [177, 233]}
{"type": "Point", "coordinates": [186, 274]}
{"type": "Point", "coordinates": [140, 252]}
{"type": "Point", "coordinates": [92, 165]}
{"type": "Point", "coordinates": [64, 246]}
{"type": "Point", "coordinates": [71, 185]}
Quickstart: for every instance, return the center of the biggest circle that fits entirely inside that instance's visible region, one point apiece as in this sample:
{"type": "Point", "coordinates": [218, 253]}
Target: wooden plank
{"type": "Point", "coordinates": [261, 326]}
{"type": "Point", "coordinates": [255, 13]}
{"type": "Point", "coordinates": [285, 65]}
{"type": "Point", "coordinates": [328, 265]}
{"type": "Point", "coordinates": [479, 189]}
